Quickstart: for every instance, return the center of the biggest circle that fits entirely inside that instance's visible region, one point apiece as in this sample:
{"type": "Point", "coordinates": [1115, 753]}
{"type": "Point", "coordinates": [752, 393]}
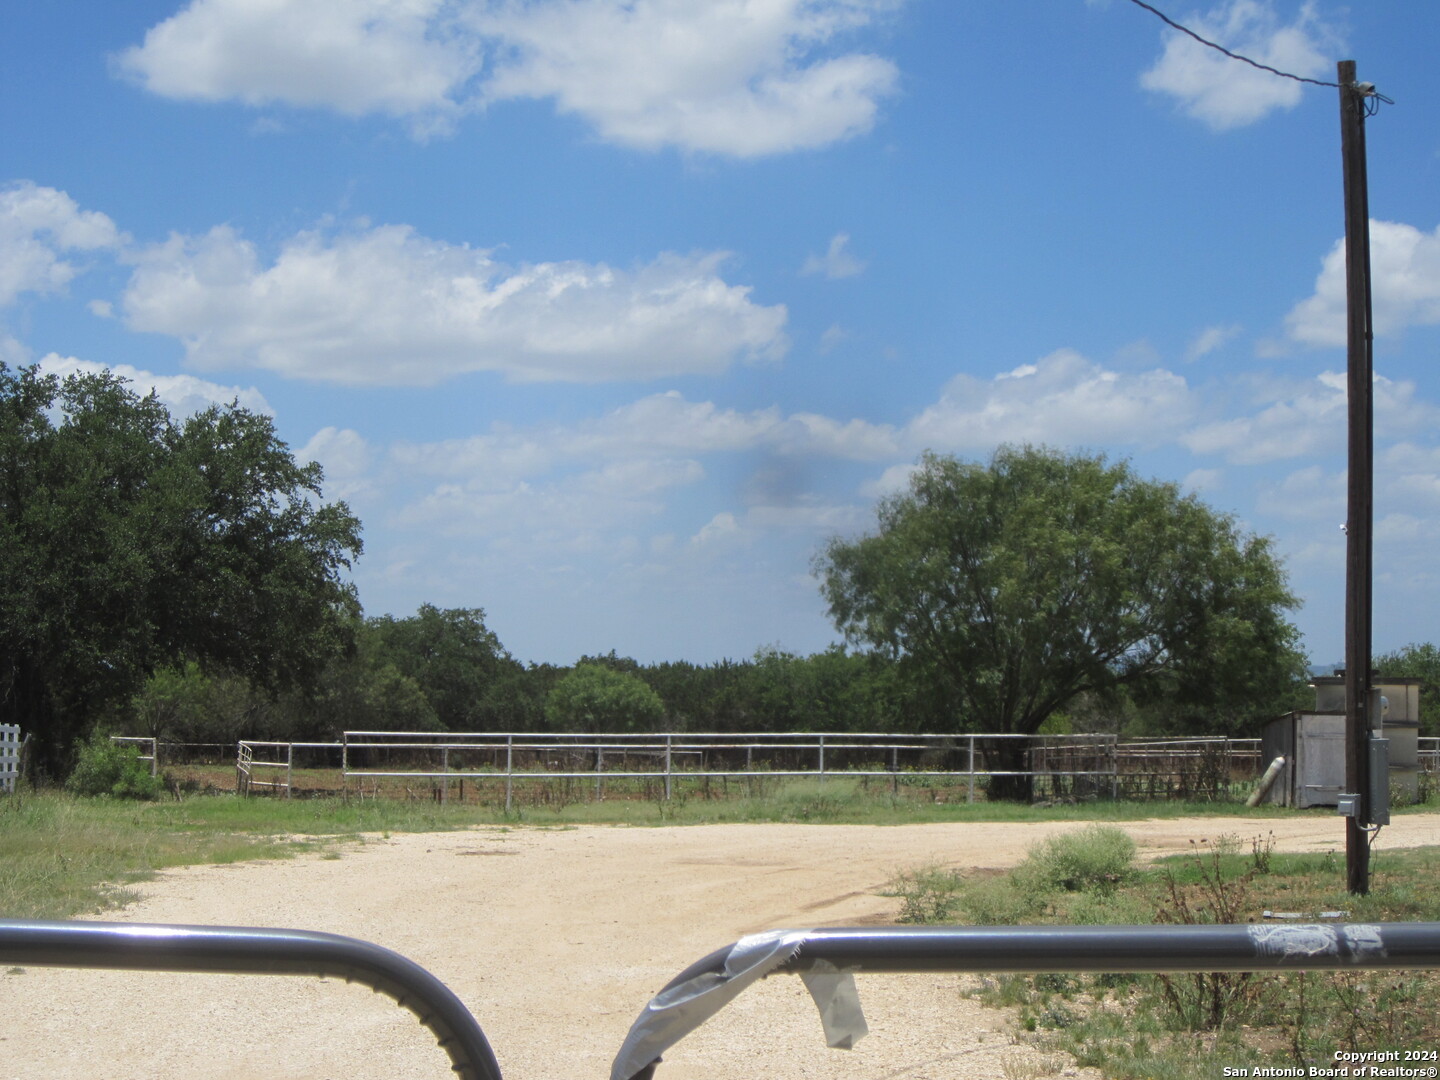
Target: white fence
{"type": "Point", "coordinates": [247, 766]}
{"type": "Point", "coordinates": [1057, 765]}
{"type": "Point", "coordinates": [9, 756]}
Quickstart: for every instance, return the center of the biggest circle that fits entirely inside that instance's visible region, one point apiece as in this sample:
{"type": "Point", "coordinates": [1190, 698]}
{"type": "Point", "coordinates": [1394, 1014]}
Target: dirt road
{"type": "Point", "coordinates": [556, 939]}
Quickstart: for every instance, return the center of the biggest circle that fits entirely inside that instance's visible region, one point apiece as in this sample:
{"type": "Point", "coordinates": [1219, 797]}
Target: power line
{"type": "Point", "coordinates": [1233, 56]}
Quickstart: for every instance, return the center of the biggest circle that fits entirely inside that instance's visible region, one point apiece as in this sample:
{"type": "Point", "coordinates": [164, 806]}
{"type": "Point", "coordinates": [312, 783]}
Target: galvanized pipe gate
{"type": "Point", "coordinates": [826, 959]}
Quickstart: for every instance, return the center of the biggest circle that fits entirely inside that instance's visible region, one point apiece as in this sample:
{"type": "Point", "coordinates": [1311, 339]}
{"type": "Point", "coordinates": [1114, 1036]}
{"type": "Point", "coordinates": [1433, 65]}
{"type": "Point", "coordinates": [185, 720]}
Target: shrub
{"type": "Point", "coordinates": [110, 768]}
{"type": "Point", "coordinates": [1097, 858]}
{"type": "Point", "coordinates": [927, 895]}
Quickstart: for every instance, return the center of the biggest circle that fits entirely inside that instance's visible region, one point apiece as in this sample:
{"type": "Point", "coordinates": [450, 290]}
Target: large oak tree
{"type": "Point", "coordinates": [1011, 588]}
{"type": "Point", "coordinates": [129, 540]}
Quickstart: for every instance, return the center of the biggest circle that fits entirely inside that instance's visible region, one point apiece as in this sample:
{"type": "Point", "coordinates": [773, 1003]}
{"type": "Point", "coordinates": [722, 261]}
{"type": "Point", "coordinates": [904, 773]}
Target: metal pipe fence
{"type": "Point", "coordinates": [668, 758]}
{"type": "Point", "coordinates": [1058, 766]}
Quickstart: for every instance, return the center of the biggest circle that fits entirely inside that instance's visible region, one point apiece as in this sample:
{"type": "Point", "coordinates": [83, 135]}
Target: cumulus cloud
{"type": "Point", "coordinates": [659, 427]}
{"type": "Point", "coordinates": [727, 76]}
{"type": "Point", "coordinates": [1404, 283]}
{"type": "Point", "coordinates": [182, 395]}
{"type": "Point", "coordinates": [1410, 475]}
{"type": "Point", "coordinates": [346, 458]}
{"type": "Point", "coordinates": [572, 510]}
{"type": "Point", "coordinates": [1224, 93]}
{"type": "Point", "coordinates": [1210, 339]}
{"type": "Point", "coordinates": [1310, 421]}
{"type": "Point", "coordinates": [396, 57]}
{"type": "Point", "coordinates": [387, 306]}
{"type": "Point", "coordinates": [837, 262]}
{"type": "Point", "coordinates": [38, 225]}
{"type": "Point", "coordinates": [1063, 399]}
{"type": "Point", "coordinates": [722, 528]}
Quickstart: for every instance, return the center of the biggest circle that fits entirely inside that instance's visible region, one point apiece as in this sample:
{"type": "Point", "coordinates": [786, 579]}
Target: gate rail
{"type": "Point", "coordinates": [825, 959]}
{"type": "Point", "coordinates": [238, 950]}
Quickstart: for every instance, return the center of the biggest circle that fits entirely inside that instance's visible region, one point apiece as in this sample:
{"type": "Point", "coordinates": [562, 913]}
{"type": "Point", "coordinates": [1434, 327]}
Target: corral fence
{"type": "Point", "coordinates": [576, 767]}
{"type": "Point", "coordinates": [274, 769]}
{"type": "Point", "coordinates": [564, 768]}
{"type": "Point", "coordinates": [652, 765]}
{"type": "Point", "coordinates": [160, 752]}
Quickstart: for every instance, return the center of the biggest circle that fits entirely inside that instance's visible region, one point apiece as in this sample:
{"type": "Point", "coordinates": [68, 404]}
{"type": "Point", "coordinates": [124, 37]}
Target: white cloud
{"type": "Point", "coordinates": [1062, 400]}
{"type": "Point", "coordinates": [592, 510]}
{"type": "Point", "coordinates": [660, 427]}
{"type": "Point", "coordinates": [892, 481]}
{"type": "Point", "coordinates": [1311, 495]}
{"type": "Point", "coordinates": [397, 57]}
{"type": "Point", "coordinates": [346, 458]}
{"type": "Point", "coordinates": [1210, 339]}
{"type": "Point", "coordinates": [1410, 475]}
{"type": "Point", "coordinates": [183, 395]}
{"type": "Point", "coordinates": [1203, 480]}
{"type": "Point", "coordinates": [833, 337]}
{"type": "Point", "coordinates": [722, 528]}
{"type": "Point", "coordinates": [1404, 286]}
{"type": "Point", "coordinates": [738, 77]}
{"type": "Point", "coordinates": [1310, 421]}
{"type": "Point", "coordinates": [37, 225]}
{"type": "Point", "coordinates": [1225, 93]}
{"type": "Point", "coordinates": [837, 262]}
{"type": "Point", "coordinates": [387, 306]}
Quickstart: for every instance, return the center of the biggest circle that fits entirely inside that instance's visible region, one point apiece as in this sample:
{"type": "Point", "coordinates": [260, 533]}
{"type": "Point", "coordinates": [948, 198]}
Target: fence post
{"type": "Point", "coordinates": [289, 767]}
{"type": "Point", "coordinates": [668, 742]}
{"type": "Point", "coordinates": [894, 770]}
{"type": "Point", "coordinates": [822, 759]}
{"type": "Point", "coordinates": [345, 764]}
{"type": "Point", "coordinates": [970, 794]}
{"type": "Point", "coordinates": [509, 768]}
{"type": "Point", "coordinates": [1114, 741]}
{"type": "Point", "coordinates": [445, 780]}
{"type": "Point", "coordinates": [599, 766]}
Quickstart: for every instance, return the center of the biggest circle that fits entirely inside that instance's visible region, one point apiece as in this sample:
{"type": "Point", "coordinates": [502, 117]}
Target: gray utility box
{"type": "Point", "coordinates": [1314, 745]}
{"type": "Point", "coordinates": [1314, 749]}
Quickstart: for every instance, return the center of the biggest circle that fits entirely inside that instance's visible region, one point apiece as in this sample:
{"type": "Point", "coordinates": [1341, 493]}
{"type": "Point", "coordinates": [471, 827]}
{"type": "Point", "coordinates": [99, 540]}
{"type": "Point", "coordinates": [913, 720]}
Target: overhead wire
{"type": "Point", "coordinates": [1373, 98]}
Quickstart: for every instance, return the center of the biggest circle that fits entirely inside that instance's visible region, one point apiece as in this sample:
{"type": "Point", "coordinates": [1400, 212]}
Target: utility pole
{"type": "Point", "coordinates": [1360, 512]}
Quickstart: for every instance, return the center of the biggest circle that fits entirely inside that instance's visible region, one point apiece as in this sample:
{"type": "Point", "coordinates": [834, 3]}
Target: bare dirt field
{"type": "Point", "coordinates": [556, 939]}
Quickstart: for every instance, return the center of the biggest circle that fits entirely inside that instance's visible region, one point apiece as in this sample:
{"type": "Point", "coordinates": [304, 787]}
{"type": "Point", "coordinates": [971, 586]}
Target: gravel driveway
{"type": "Point", "coordinates": [556, 938]}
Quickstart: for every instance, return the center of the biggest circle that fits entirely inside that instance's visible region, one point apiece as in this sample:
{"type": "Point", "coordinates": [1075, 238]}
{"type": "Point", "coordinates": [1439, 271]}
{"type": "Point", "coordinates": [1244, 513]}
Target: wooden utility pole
{"type": "Point", "coordinates": [1360, 512]}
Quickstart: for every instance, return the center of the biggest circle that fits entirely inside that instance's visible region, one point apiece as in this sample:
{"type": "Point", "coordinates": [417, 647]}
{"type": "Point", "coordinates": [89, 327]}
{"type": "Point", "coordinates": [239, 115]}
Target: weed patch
{"type": "Point", "coordinates": [1179, 1026]}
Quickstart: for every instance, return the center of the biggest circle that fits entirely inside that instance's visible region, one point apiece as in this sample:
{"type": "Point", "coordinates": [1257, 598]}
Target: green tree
{"type": "Point", "coordinates": [1009, 589]}
{"type": "Point", "coordinates": [1417, 661]}
{"type": "Point", "coordinates": [129, 540]}
{"type": "Point", "coordinates": [596, 698]}
{"type": "Point", "coordinates": [450, 654]}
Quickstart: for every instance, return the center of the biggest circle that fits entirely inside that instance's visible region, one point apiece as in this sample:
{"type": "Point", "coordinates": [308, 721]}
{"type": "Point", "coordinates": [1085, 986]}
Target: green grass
{"type": "Point", "coordinates": [1185, 1027]}
{"type": "Point", "coordinates": [62, 856]}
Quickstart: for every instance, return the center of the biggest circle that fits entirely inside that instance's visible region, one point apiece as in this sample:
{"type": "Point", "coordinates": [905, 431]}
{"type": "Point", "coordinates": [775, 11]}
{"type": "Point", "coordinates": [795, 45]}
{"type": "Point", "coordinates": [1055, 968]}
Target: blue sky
{"type": "Point", "coordinates": [605, 314]}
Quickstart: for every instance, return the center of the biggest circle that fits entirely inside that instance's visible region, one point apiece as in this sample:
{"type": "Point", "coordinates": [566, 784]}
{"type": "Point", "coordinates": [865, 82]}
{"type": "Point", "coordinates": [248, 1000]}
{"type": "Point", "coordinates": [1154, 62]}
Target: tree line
{"type": "Point", "coordinates": [187, 579]}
